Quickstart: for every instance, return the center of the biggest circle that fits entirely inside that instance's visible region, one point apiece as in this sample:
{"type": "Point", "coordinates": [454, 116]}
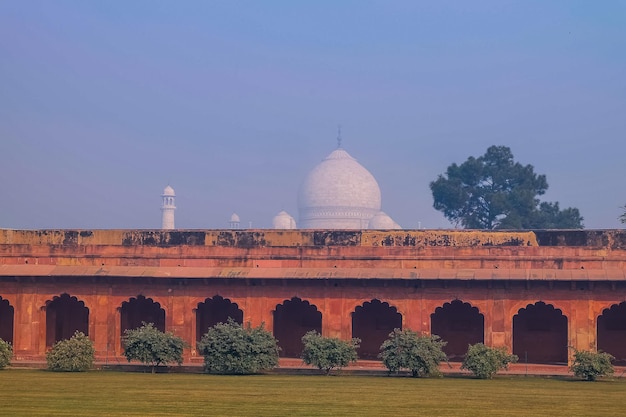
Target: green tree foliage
{"type": "Point", "coordinates": [152, 347]}
{"type": "Point", "coordinates": [230, 348]}
{"type": "Point", "coordinates": [75, 354]}
{"type": "Point", "coordinates": [550, 216]}
{"type": "Point", "coordinates": [494, 192]}
{"type": "Point", "coordinates": [327, 353]}
{"type": "Point", "coordinates": [6, 353]}
{"type": "Point", "coordinates": [622, 218]}
{"type": "Point", "coordinates": [591, 365]}
{"type": "Point", "coordinates": [484, 361]}
{"type": "Point", "coordinates": [419, 353]}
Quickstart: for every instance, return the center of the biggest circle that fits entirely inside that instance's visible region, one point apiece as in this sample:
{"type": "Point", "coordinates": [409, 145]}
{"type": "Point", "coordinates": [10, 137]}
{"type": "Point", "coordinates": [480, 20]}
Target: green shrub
{"type": "Point", "coordinates": [230, 348]}
{"type": "Point", "coordinates": [484, 361]}
{"type": "Point", "coordinates": [591, 365]}
{"type": "Point", "coordinates": [406, 349]}
{"type": "Point", "coordinates": [75, 354]}
{"type": "Point", "coordinates": [152, 347]}
{"type": "Point", "coordinates": [327, 353]}
{"type": "Point", "coordinates": [6, 353]}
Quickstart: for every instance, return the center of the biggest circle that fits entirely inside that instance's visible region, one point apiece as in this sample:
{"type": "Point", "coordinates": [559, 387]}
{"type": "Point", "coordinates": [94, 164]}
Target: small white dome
{"type": "Point", "coordinates": [283, 221]}
{"type": "Point", "coordinates": [234, 218]}
{"type": "Point", "coordinates": [382, 221]}
{"type": "Point", "coordinates": [169, 191]}
{"type": "Point", "coordinates": [339, 193]}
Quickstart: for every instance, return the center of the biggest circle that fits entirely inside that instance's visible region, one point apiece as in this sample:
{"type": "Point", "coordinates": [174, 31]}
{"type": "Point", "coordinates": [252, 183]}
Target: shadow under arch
{"type": "Point", "coordinates": [372, 322]}
{"type": "Point", "coordinates": [540, 334]}
{"type": "Point", "coordinates": [459, 324]}
{"type": "Point", "coordinates": [137, 310]}
{"type": "Point", "coordinates": [7, 320]}
{"type": "Point", "coordinates": [292, 320]}
{"type": "Point", "coordinates": [65, 315]}
{"type": "Point", "coordinates": [612, 332]}
{"type": "Point", "coordinates": [213, 311]}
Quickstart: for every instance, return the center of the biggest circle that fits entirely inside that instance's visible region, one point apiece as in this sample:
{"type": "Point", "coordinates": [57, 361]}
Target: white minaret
{"type": "Point", "coordinates": [168, 208]}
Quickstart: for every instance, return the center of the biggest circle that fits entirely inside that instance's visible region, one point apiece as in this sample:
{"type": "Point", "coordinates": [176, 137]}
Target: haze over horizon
{"type": "Point", "coordinates": [103, 104]}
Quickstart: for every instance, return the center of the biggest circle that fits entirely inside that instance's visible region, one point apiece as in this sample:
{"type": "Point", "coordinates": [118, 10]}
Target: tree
{"type": "Point", "coordinates": [622, 218]}
{"type": "Point", "coordinates": [75, 354]}
{"type": "Point", "coordinates": [406, 349]}
{"type": "Point", "coordinates": [327, 353]}
{"type": "Point", "coordinates": [494, 192]}
{"type": "Point", "coordinates": [230, 348]}
{"type": "Point", "coordinates": [591, 365]}
{"type": "Point", "coordinates": [484, 361]}
{"type": "Point", "coordinates": [6, 353]}
{"type": "Point", "coordinates": [549, 216]}
{"type": "Point", "coordinates": [152, 347]}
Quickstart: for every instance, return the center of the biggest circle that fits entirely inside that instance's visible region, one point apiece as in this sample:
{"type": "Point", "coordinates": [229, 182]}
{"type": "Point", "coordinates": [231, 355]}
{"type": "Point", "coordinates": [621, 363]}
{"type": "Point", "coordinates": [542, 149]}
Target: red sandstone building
{"type": "Point", "coordinates": [537, 293]}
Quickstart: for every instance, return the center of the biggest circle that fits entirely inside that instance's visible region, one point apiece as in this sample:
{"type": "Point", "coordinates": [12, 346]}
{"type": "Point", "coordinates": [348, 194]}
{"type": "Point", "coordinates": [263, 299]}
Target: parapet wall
{"type": "Point", "coordinates": [431, 254]}
{"type": "Point", "coordinates": [613, 239]}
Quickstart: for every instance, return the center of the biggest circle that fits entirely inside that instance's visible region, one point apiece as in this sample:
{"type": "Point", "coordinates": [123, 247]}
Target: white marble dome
{"type": "Point", "coordinates": [283, 221]}
{"type": "Point", "coordinates": [339, 193]}
{"type": "Point", "coordinates": [382, 221]}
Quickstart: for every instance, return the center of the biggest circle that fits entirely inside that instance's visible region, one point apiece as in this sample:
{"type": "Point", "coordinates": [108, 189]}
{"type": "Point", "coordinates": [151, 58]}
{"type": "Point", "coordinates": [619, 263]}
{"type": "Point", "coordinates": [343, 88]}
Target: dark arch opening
{"type": "Point", "coordinates": [7, 318]}
{"type": "Point", "coordinates": [372, 322]}
{"type": "Point", "coordinates": [141, 309]}
{"type": "Point", "coordinates": [292, 320]}
{"type": "Point", "coordinates": [460, 325]}
{"type": "Point", "coordinates": [215, 310]}
{"type": "Point", "coordinates": [65, 315]}
{"type": "Point", "coordinates": [540, 334]}
{"type": "Point", "coordinates": [612, 332]}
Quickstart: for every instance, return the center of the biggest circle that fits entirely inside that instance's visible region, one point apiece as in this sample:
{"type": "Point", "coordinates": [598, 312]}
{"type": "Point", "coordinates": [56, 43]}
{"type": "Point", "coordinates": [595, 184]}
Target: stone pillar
{"type": "Point", "coordinates": [498, 325]}
{"type": "Point", "coordinates": [333, 318]}
{"type": "Point", "coordinates": [413, 313]}
{"type": "Point", "coordinates": [26, 322]}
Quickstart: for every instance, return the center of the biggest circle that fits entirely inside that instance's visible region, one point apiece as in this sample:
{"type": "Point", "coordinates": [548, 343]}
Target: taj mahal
{"type": "Point", "coordinates": [339, 193]}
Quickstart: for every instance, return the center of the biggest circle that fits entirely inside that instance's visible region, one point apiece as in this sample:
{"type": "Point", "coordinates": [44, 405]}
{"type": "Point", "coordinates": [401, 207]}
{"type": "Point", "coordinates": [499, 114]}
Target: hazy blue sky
{"type": "Point", "coordinates": [104, 103]}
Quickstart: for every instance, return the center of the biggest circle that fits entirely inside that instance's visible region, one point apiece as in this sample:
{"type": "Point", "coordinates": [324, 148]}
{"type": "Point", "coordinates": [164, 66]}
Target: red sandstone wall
{"type": "Point", "coordinates": [497, 272]}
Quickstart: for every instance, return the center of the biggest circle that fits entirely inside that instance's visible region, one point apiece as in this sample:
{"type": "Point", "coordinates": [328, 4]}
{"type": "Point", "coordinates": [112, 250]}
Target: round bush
{"type": "Point", "coordinates": [591, 365]}
{"type": "Point", "coordinates": [327, 353]}
{"type": "Point", "coordinates": [6, 353]}
{"type": "Point", "coordinates": [149, 345]}
{"type": "Point", "coordinates": [230, 348]}
{"type": "Point", "coordinates": [419, 353]}
{"type": "Point", "coordinates": [484, 361]}
{"type": "Point", "coordinates": [75, 354]}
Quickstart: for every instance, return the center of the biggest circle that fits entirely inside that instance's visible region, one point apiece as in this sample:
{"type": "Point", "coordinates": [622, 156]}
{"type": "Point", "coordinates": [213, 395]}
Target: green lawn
{"type": "Point", "coordinates": [101, 393]}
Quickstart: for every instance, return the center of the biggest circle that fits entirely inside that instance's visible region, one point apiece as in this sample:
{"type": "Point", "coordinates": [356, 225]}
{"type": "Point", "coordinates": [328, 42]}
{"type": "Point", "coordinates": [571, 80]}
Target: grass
{"type": "Point", "coordinates": [101, 393]}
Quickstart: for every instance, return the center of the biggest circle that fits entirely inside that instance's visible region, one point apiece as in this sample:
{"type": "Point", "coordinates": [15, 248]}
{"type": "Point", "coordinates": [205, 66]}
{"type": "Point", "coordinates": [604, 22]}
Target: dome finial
{"type": "Point", "coordinates": [338, 136]}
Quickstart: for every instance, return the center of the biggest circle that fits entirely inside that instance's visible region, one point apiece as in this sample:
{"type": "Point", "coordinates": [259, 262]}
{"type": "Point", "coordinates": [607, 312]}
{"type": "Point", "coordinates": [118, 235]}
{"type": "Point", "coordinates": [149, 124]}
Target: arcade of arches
{"type": "Point", "coordinates": [539, 330]}
{"type": "Point", "coordinates": [536, 293]}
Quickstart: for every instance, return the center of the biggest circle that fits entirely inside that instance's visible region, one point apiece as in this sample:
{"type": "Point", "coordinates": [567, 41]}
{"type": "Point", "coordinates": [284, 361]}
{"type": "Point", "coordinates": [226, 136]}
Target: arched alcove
{"type": "Point", "coordinates": [459, 324]}
{"type": "Point", "coordinates": [64, 316]}
{"type": "Point", "coordinates": [612, 332]}
{"type": "Point", "coordinates": [372, 322]}
{"type": "Point", "coordinates": [7, 319]}
{"type": "Point", "coordinates": [540, 334]}
{"type": "Point", "coordinates": [292, 320]}
{"type": "Point", "coordinates": [213, 311]}
{"type": "Point", "coordinates": [138, 310]}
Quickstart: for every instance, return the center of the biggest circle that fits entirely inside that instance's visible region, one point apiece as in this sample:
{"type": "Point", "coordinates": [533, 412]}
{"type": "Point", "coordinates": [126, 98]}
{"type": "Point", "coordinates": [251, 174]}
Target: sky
{"type": "Point", "coordinates": [232, 103]}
